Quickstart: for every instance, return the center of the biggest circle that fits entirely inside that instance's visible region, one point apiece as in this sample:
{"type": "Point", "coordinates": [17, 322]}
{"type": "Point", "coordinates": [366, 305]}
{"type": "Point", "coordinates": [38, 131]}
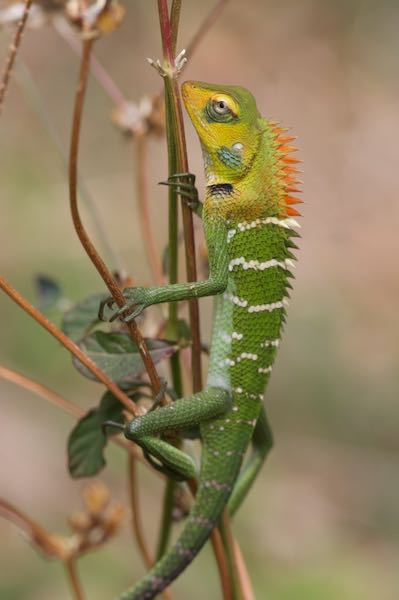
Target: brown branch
{"type": "Point", "coordinates": [73, 576]}
{"type": "Point", "coordinates": [70, 408]}
{"type": "Point", "coordinates": [246, 586]}
{"type": "Point", "coordinates": [69, 345]}
{"type": "Point", "coordinates": [12, 54]}
{"type": "Point", "coordinates": [229, 543]}
{"type": "Point", "coordinates": [41, 390]}
{"type": "Point", "coordinates": [42, 538]}
{"type": "Point", "coordinates": [168, 39]}
{"type": "Point", "coordinates": [218, 551]}
{"type": "Point", "coordinates": [100, 74]}
{"type": "Point", "coordinates": [80, 230]}
{"type": "Point", "coordinates": [140, 141]}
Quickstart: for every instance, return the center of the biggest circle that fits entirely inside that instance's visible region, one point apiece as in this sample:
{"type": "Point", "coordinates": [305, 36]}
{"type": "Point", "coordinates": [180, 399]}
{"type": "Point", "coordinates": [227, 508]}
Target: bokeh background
{"type": "Point", "coordinates": [322, 522]}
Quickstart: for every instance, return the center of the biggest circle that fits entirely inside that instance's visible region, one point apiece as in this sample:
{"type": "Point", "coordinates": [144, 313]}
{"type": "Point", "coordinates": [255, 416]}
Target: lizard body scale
{"type": "Point", "coordinates": [249, 226]}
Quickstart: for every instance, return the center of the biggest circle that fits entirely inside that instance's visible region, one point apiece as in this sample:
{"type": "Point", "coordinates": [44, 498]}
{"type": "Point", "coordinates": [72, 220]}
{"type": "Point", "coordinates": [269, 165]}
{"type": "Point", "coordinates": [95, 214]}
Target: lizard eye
{"type": "Point", "coordinates": [220, 105]}
{"type": "Point", "coordinates": [221, 108]}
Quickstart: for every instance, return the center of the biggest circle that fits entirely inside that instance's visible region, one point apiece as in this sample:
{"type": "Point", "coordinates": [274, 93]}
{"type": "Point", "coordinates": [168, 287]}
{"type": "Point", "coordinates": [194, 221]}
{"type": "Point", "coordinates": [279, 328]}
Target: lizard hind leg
{"type": "Point", "coordinates": [184, 413]}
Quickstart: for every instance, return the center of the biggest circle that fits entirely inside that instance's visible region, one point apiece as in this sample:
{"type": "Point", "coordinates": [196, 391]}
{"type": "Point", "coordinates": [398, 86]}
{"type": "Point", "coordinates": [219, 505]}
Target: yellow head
{"type": "Point", "coordinates": [229, 126]}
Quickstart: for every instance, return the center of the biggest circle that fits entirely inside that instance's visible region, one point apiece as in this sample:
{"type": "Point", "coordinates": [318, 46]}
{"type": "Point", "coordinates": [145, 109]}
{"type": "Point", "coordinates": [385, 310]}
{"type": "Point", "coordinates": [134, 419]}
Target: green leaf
{"type": "Point", "coordinates": [118, 356]}
{"type": "Point", "coordinates": [78, 320]}
{"type": "Point", "coordinates": [86, 442]}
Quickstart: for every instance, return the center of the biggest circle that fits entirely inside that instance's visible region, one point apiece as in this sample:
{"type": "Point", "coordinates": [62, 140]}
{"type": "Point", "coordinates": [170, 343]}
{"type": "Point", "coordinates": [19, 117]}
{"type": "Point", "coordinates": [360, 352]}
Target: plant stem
{"type": "Point", "coordinates": [69, 407]}
{"type": "Point", "coordinates": [228, 542]}
{"type": "Point", "coordinates": [28, 85]}
{"type": "Point", "coordinates": [69, 345]}
{"type": "Point", "coordinates": [100, 74]}
{"type": "Point", "coordinates": [176, 144]}
{"type": "Point", "coordinates": [173, 257]}
{"type": "Point", "coordinates": [80, 230]}
{"type": "Point", "coordinates": [219, 552]}
{"type": "Point", "coordinates": [36, 532]}
{"type": "Point", "coordinates": [12, 54]}
{"type": "Point", "coordinates": [174, 22]}
{"type": "Point", "coordinates": [72, 574]}
{"type": "Point", "coordinates": [41, 390]}
{"type": "Point", "coordinates": [246, 586]}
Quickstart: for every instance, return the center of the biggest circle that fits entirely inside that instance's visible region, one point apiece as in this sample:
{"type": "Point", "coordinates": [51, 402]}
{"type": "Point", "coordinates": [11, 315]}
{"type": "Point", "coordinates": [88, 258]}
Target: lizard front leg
{"type": "Point", "coordinates": [139, 298]}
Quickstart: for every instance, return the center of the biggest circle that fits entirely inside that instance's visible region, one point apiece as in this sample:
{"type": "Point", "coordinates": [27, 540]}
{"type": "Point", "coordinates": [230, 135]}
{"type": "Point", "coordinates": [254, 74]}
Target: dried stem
{"type": "Point", "coordinates": [137, 525]}
{"type": "Point", "coordinates": [68, 406]}
{"type": "Point", "coordinates": [12, 54]}
{"type": "Point", "coordinates": [30, 90]}
{"type": "Point", "coordinates": [100, 74]}
{"type": "Point", "coordinates": [69, 345]}
{"type": "Point", "coordinates": [181, 163]}
{"type": "Point", "coordinates": [219, 553]}
{"type": "Point", "coordinates": [246, 586]}
{"type": "Point", "coordinates": [228, 541]}
{"type": "Point", "coordinates": [218, 550]}
{"type": "Point", "coordinates": [174, 22]}
{"type": "Point", "coordinates": [33, 529]}
{"type": "Point", "coordinates": [72, 573]}
{"type": "Point", "coordinates": [80, 230]}
{"type": "Point", "coordinates": [141, 145]}
{"type": "Point", "coordinates": [41, 390]}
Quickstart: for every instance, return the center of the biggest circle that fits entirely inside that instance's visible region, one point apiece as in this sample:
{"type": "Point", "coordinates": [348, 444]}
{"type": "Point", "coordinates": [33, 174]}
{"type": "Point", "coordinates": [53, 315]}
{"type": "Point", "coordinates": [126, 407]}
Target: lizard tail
{"type": "Point", "coordinates": [214, 489]}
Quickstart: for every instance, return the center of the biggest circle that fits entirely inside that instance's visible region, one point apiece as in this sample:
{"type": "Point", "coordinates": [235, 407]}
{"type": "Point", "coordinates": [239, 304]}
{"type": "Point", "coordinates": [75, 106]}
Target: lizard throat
{"type": "Point", "coordinates": [219, 191]}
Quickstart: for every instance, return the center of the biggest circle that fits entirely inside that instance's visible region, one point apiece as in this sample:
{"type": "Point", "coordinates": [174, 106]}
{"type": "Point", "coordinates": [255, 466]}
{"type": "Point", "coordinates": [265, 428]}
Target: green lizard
{"type": "Point", "coordinates": [249, 225]}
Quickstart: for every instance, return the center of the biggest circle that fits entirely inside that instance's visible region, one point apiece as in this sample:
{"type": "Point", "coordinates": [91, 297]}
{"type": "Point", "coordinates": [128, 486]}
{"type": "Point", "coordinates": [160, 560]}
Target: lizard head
{"type": "Point", "coordinates": [229, 126]}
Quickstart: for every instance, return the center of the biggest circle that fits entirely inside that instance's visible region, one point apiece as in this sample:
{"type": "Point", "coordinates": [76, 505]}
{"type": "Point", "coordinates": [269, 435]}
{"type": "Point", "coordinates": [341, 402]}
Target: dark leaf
{"type": "Point", "coordinates": [118, 356]}
{"type": "Point", "coordinates": [78, 320]}
{"type": "Point", "coordinates": [86, 442]}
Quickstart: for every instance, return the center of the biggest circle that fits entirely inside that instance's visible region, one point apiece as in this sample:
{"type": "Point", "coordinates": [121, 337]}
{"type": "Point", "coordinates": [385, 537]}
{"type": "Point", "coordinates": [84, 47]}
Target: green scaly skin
{"type": "Point", "coordinates": [248, 226]}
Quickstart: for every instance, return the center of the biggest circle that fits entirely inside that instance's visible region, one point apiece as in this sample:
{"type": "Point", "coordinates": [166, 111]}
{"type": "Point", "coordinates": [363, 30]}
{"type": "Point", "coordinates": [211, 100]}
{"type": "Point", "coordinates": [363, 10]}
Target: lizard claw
{"type": "Point", "coordinates": [186, 189]}
{"type": "Point", "coordinates": [107, 303]}
{"type": "Point", "coordinates": [136, 302]}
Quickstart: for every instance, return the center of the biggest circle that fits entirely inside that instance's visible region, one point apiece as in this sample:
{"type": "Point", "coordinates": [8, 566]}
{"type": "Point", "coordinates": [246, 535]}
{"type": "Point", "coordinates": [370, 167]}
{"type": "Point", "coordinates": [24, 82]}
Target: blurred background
{"type": "Point", "coordinates": [322, 521]}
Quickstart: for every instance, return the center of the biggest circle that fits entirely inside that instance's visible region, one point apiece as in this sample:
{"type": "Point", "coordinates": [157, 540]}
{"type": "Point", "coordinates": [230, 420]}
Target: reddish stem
{"type": "Point", "coordinates": [69, 345]}
{"type": "Point", "coordinates": [15, 44]}
{"type": "Point", "coordinates": [166, 31]}
{"type": "Point", "coordinates": [80, 230]}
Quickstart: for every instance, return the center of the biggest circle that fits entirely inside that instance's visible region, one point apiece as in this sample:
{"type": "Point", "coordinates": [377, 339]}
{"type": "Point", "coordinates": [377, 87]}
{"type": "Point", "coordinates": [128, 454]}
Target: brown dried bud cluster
{"type": "Point", "coordinates": [91, 528]}
{"type": "Point", "coordinates": [147, 117]}
{"type": "Point", "coordinates": [99, 522]}
{"type": "Point", "coordinates": [97, 18]}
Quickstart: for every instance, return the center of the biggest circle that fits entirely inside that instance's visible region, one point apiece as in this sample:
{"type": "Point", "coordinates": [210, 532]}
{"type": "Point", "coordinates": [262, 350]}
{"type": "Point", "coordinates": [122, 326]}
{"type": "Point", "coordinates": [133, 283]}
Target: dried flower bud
{"type": "Point", "coordinates": [80, 522]}
{"type": "Point", "coordinates": [114, 518]}
{"type": "Point", "coordinates": [96, 496]}
{"type": "Point", "coordinates": [99, 18]}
